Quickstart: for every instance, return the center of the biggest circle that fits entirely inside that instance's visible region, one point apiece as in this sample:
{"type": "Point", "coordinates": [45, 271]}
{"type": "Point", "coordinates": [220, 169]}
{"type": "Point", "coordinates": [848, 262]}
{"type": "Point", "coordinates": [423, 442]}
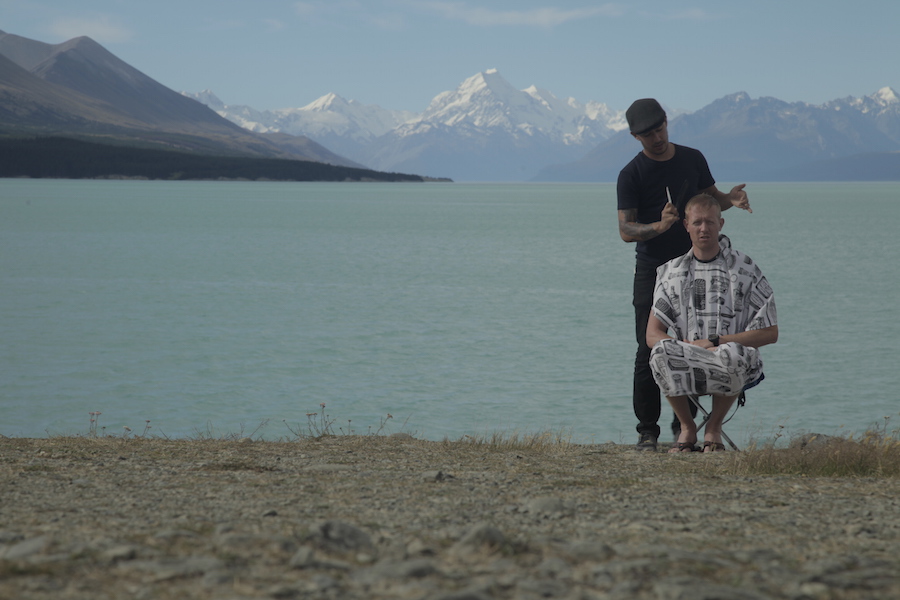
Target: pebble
{"type": "Point", "coordinates": [394, 517]}
{"type": "Point", "coordinates": [25, 548]}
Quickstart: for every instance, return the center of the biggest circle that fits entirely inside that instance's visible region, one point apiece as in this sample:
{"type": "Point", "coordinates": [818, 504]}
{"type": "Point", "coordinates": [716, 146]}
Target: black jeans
{"type": "Point", "coordinates": [646, 398]}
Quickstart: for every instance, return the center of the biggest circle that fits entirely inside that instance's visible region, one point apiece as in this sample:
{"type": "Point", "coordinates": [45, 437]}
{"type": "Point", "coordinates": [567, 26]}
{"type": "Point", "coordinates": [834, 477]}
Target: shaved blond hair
{"type": "Point", "coordinates": [703, 201]}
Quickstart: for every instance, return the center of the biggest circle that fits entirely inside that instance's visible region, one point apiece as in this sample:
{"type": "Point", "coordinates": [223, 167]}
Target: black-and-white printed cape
{"type": "Point", "coordinates": [693, 300]}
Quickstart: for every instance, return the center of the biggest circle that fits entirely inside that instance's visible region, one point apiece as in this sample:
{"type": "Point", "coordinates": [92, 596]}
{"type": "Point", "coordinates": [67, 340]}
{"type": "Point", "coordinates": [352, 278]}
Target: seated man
{"type": "Point", "coordinates": [720, 308]}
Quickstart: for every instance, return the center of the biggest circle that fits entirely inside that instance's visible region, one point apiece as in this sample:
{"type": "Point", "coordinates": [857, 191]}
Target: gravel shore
{"type": "Point", "coordinates": [373, 517]}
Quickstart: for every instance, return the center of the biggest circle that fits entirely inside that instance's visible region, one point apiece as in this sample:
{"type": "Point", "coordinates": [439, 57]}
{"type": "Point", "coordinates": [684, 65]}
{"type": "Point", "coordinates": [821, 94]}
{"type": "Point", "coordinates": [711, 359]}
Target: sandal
{"type": "Point", "coordinates": [684, 447]}
{"type": "Point", "coordinates": [714, 446]}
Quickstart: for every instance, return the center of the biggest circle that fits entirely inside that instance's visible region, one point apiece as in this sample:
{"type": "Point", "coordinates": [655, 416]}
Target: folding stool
{"type": "Point", "coordinates": [742, 399]}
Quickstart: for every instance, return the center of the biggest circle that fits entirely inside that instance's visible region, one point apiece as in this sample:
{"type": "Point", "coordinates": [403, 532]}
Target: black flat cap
{"type": "Point", "coordinates": [644, 114]}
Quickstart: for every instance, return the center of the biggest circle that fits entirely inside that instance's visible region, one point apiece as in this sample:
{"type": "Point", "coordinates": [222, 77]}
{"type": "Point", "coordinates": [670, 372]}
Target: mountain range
{"type": "Point", "coordinates": [486, 130]}
{"type": "Point", "coordinates": [79, 89]}
{"type": "Point", "coordinates": [483, 130]}
{"type": "Point", "coordinates": [766, 139]}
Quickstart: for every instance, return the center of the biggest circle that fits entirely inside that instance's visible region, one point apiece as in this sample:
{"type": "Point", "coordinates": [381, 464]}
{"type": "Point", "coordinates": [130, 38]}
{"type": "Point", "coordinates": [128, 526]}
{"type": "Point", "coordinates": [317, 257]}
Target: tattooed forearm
{"type": "Point", "coordinates": [639, 232]}
{"type": "Point", "coordinates": [631, 230]}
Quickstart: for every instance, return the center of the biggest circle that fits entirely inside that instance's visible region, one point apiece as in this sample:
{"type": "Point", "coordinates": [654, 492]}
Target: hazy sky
{"type": "Point", "coordinates": [399, 54]}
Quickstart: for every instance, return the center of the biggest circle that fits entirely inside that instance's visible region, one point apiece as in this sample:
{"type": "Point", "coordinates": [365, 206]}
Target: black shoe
{"type": "Point", "coordinates": [646, 443]}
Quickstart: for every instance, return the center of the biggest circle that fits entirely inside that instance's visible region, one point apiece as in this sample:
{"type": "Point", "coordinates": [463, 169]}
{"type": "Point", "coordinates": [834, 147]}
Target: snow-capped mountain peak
{"type": "Point", "coordinates": [886, 95]}
{"type": "Point", "coordinates": [328, 102]}
{"type": "Point", "coordinates": [486, 101]}
{"type": "Point", "coordinates": [482, 103]}
{"type": "Point", "coordinates": [324, 117]}
{"type": "Point", "coordinates": [486, 129]}
{"type": "Point", "coordinates": [883, 101]}
{"type": "Point", "coordinates": [485, 90]}
{"type": "Point", "coordinates": [208, 98]}
{"type": "Point", "coordinates": [483, 107]}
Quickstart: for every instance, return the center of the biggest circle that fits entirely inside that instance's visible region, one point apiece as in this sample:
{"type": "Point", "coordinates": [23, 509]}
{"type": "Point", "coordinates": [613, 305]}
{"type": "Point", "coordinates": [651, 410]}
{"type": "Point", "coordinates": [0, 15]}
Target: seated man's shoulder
{"type": "Point", "coordinates": [684, 261]}
{"type": "Point", "coordinates": [675, 267]}
{"type": "Point", "coordinates": [743, 260]}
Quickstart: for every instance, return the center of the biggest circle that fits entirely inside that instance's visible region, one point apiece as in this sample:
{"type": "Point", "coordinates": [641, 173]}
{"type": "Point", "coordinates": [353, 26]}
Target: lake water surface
{"type": "Point", "coordinates": [459, 309]}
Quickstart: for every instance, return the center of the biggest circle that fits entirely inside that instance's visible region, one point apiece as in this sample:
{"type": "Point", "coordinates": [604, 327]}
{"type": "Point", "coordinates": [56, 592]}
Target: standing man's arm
{"type": "Point", "coordinates": [632, 231]}
{"type": "Point", "coordinates": [736, 197]}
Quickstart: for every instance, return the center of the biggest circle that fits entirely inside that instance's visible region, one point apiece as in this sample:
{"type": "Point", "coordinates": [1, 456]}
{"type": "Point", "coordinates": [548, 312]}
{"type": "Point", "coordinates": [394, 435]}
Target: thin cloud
{"type": "Point", "coordinates": [693, 14]}
{"type": "Point", "coordinates": [306, 9]}
{"type": "Point", "coordinates": [217, 24]}
{"type": "Point", "coordinates": [537, 17]}
{"type": "Point", "coordinates": [273, 24]}
{"type": "Point", "coordinates": [339, 12]}
{"type": "Point", "coordinates": [102, 28]}
{"type": "Point", "coordinates": [319, 8]}
{"type": "Point", "coordinates": [391, 22]}
{"type": "Point", "coordinates": [687, 14]}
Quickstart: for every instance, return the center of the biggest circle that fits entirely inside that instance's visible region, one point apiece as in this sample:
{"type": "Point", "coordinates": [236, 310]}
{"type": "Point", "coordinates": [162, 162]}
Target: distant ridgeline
{"type": "Point", "coordinates": [66, 158]}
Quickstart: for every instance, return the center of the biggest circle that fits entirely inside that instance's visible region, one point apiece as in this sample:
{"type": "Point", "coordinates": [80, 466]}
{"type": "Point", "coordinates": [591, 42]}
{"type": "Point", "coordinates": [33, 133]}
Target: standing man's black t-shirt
{"type": "Point", "coordinates": [642, 186]}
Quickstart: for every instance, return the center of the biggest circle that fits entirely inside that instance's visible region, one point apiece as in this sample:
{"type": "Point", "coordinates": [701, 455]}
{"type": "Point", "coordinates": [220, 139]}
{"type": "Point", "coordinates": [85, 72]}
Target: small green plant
{"type": "Point", "coordinates": [318, 424]}
{"type": "Point", "coordinates": [321, 424]}
{"type": "Point", "coordinates": [94, 423]}
{"type": "Point", "coordinates": [127, 431]}
{"type": "Point", "coordinates": [382, 425]}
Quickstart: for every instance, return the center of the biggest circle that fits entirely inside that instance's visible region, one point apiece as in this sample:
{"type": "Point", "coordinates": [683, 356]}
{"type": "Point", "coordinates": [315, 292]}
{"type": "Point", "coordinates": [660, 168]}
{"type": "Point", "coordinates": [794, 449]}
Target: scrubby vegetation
{"type": "Point", "coordinates": [65, 158]}
{"type": "Point", "coordinates": [876, 453]}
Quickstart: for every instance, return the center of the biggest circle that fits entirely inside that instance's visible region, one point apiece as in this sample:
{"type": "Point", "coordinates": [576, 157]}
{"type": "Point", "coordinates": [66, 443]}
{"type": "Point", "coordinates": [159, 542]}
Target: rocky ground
{"type": "Point", "coordinates": [393, 517]}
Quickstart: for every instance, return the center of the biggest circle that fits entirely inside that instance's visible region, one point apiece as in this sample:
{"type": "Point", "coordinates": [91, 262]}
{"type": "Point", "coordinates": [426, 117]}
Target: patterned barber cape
{"type": "Point", "coordinates": [695, 299]}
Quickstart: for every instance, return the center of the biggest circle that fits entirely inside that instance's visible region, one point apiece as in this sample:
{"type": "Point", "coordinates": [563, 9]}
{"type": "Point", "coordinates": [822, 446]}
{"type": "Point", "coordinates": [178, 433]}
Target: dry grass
{"type": "Point", "coordinates": [540, 441]}
{"type": "Point", "coordinates": [874, 454]}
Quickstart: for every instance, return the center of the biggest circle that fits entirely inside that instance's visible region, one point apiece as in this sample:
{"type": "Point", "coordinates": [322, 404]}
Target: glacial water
{"type": "Point", "coordinates": [212, 308]}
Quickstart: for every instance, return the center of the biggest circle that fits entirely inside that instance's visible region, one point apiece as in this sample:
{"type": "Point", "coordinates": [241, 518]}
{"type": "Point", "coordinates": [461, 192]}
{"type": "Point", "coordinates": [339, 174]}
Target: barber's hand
{"type": "Point", "coordinates": [739, 197]}
{"type": "Point", "coordinates": [669, 217]}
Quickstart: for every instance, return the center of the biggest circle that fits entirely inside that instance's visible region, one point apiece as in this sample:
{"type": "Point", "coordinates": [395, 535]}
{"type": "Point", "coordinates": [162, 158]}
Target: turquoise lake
{"type": "Point", "coordinates": [216, 308]}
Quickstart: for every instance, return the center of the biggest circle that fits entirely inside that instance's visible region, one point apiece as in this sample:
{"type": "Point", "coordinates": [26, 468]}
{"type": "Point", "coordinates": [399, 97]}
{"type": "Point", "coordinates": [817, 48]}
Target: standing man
{"type": "Point", "coordinates": [652, 191]}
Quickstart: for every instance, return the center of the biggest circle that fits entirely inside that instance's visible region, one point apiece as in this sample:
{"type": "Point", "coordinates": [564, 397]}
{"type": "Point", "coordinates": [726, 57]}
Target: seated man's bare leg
{"type": "Point", "coordinates": [713, 433]}
{"type": "Point", "coordinates": [687, 439]}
